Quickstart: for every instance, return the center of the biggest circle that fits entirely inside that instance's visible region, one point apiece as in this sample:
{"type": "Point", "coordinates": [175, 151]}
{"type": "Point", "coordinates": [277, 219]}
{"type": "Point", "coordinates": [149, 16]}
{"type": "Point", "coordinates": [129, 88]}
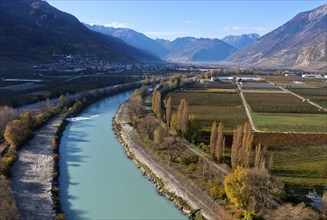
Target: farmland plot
{"type": "Point", "coordinates": [283, 112]}
{"type": "Point", "coordinates": [278, 103]}
{"type": "Point", "coordinates": [317, 95]}
{"type": "Point", "coordinates": [206, 107]}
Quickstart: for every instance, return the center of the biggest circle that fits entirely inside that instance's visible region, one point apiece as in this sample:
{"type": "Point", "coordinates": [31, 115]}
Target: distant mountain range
{"type": "Point", "coordinates": [133, 38]}
{"type": "Point", "coordinates": [190, 49]}
{"type": "Point", "coordinates": [300, 43]}
{"type": "Point", "coordinates": [241, 40]}
{"type": "Point", "coordinates": [32, 31]}
{"type": "Point", "coordinates": [186, 49]}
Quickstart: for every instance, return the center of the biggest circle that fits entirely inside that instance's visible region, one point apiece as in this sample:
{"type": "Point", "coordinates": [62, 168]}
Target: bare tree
{"type": "Point", "coordinates": [173, 148]}
{"type": "Point", "coordinates": [298, 212]}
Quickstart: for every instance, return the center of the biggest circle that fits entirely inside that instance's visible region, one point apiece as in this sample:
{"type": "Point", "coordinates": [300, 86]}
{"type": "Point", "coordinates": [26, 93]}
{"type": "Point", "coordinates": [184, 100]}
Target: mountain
{"type": "Point", "coordinates": [33, 32]}
{"type": "Point", "coordinates": [190, 49]}
{"type": "Point", "coordinates": [241, 40]}
{"type": "Point", "coordinates": [133, 38]}
{"type": "Point", "coordinates": [300, 43]}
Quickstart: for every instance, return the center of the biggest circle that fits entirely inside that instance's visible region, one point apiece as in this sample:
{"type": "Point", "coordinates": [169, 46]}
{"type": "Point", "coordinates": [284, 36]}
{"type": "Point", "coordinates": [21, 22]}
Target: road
{"type": "Point", "coordinates": [247, 109]}
{"type": "Point", "coordinates": [218, 167]}
{"type": "Point", "coordinates": [300, 97]}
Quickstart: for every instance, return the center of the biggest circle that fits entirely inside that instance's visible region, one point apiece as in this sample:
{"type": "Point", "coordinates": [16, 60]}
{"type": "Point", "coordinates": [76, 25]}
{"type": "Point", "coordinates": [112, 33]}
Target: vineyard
{"type": "Point", "coordinates": [278, 103]}
{"type": "Point", "coordinates": [206, 107]}
{"type": "Point", "coordinates": [317, 95]}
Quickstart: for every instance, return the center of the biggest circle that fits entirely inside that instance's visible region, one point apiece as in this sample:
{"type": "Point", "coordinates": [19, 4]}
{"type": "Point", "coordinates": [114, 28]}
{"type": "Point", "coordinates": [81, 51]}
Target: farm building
{"type": "Point", "coordinates": [316, 76]}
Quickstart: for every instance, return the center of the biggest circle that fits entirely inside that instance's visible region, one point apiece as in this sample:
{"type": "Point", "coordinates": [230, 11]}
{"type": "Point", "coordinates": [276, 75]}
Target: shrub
{"type": "Point", "coordinates": [8, 207]}
{"type": "Point", "coordinates": [7, 114]}
{"type": "Point", "coordinates": [17, 132]}
{"type": "Point", "coordinates": [298, 212]}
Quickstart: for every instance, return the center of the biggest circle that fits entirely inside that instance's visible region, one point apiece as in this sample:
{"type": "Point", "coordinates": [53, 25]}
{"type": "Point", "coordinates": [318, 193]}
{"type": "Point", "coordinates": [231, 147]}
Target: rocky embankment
{"type": "Point", "coordinates": [173, 182]}
{"type": "Point", "coordinates": [31, 174]}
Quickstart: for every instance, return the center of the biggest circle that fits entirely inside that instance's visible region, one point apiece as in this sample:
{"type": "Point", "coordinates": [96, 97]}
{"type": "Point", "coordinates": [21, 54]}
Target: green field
{"type": "Point", "coordinates": [288, 122]}
{"type": "Point", "coordinates": [206, 107]}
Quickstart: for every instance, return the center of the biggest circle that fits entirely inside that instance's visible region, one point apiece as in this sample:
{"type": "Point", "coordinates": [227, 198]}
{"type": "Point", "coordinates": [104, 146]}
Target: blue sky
{"type": "Point", "coordinates": [171, 19]}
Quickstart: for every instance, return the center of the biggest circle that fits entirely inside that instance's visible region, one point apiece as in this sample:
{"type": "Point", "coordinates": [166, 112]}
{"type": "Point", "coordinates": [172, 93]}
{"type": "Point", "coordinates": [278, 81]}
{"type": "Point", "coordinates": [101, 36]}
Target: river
{"type": "Point", "coordinates": [97, 180]}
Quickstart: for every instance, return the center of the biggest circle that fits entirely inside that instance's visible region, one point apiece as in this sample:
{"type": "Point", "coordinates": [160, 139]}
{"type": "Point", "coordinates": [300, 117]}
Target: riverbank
{"type": "Point", "coordinates": [172, 184]}
{"type": "Point", "coordinates": [32, 174]}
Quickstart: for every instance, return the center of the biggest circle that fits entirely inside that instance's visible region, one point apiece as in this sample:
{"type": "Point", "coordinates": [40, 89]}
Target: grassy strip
{"type": "Point", "coordinates": [288, 122]}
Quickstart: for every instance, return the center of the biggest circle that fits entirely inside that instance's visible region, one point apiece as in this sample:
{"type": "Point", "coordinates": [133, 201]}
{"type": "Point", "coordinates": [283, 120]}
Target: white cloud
{"type": "Point", "coordinates": [118, 25]}
{"type": "Point", "coordinates": [112, 24]}
{"type": "Point", "coordinates": [189, 22]}
{"type": "Point", "coordinates": [159, 33]}
{"type": "Point", "coordinates": [238, 28]}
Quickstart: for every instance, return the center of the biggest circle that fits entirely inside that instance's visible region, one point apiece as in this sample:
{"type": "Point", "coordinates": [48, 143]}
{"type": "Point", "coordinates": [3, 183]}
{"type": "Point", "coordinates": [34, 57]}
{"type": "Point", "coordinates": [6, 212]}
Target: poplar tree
{"type": "Point", "coordinates": [168, 111]}
{"type": "Point", "coordinates": [182, 116]}
{"type": "Point", "coordinates": [260, 157]}
{"type": "Point", "coordinates": [236, 146]}
{"type": "Point", "coordinates": [242, 145]}
{"type": "Point", "coordinates": [246, 145]}
{"type": "Point", "coordinates": [219, 147]}
{"type": "Point", "coordinates": [156, 102]}
{"type": "Point", "coordinates": [213, 138]}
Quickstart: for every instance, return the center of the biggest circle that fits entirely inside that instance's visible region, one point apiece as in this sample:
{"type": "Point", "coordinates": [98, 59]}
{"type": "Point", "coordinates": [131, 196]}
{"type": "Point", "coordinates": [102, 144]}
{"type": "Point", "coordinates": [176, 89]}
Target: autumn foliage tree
{"type": "Point", "coordinates": [242, 145]}
{"type": "Point", "coordinates": [252, 189]}
{"type": "Point", "coordinates": [213, 138]}
{"type": "Point", "coordinates": [220, 143]}
{"type": "Point", "coordinates": [217, 141]}
{"type": "Point", "coordinates": [260, 157]}
{"type": "Point", "coordinates": [156, 102]}
{"type": "Point", "coordinates": [182, 116]}
{"type": "Point", "coordinates": [168, 111]}
{"type": "Point", "coordinates": [7, 114]}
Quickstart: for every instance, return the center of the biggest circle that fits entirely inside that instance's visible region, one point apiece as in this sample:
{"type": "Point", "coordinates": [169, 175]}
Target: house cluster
{"type": "Point", "coordinates": [79, 64]}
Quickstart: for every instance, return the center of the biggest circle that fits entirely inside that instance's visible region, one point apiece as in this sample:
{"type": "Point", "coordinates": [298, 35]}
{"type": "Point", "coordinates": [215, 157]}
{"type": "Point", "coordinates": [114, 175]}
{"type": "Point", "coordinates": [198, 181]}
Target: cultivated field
{"type": "Point", "coordinates": [288, 122]}
{"type": "Point", "coordinates": [317, 95]}
{"type": "Point", "coordinates": [303, 167]}
{"type": "Point", "coordinates": [206, 107]}
{"type": "Point", "coordinates": [278, 103]}
{"type": "Point", "coordinates": [258, 85]}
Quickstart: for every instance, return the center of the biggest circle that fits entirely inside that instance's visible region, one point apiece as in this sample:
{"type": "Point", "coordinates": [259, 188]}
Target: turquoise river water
{"type": "Point", "coordinates": [97, 180]}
